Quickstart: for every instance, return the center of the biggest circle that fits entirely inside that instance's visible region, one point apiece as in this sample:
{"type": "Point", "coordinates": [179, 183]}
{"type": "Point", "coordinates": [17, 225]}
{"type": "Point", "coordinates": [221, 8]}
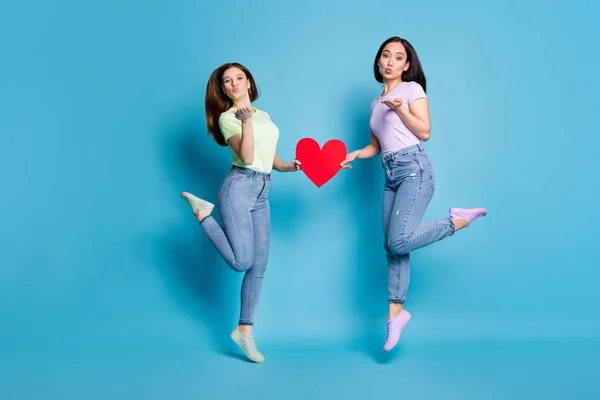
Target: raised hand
{"type": "Point", "coordinates": [244, 114]}
{"type": "Point", "coordinates": [395, 104]}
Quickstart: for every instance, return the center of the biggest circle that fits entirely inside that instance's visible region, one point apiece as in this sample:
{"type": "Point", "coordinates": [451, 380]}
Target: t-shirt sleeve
{"type": "Point", "coordinates": [229, 125]}
{"type": "Point", "coordinates": [416, 92]}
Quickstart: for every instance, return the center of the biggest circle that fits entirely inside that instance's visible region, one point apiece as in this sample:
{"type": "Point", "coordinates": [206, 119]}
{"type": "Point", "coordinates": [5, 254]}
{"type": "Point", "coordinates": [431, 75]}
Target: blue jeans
{"type": "Point", "coordinates": [409, 186]}
{"type": "Point", "coordinates": [243, 240]}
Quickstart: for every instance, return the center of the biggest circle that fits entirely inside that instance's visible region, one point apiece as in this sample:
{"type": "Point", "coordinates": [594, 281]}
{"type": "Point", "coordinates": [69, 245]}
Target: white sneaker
{"type": "Point", "coordinates": [248, 345]}
{"type": "Point", "coordinates": [197, 204]}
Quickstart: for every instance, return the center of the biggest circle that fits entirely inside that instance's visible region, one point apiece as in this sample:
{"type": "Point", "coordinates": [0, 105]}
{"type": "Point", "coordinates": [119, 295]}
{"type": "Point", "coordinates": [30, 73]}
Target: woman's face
{"type": "Point", "coordinates": [393, 61]}
{"type": "Point", "coordinates": [235, 83]}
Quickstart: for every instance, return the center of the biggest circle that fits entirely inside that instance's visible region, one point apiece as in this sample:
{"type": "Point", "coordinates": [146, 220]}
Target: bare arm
{"type": "Point", "coordinates": [281, 166]}
{"type": "Point", "coordinates": [416, 117]}
{"type": "Point", "coordinates": [371, 150]}
{"type": "Point", "coordinates": [243, 144]}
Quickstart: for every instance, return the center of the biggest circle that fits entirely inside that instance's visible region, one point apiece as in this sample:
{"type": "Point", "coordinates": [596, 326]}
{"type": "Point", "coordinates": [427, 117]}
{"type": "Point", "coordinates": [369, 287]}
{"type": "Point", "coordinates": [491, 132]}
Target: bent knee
{"type": "Point", "coordinates": [242, 265]}
{"type": "Point", "coordinates": [399, 246]}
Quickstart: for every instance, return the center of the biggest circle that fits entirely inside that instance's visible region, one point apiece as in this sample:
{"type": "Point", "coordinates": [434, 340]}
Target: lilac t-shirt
{"type": "Point", "coordinates": [386, 124]}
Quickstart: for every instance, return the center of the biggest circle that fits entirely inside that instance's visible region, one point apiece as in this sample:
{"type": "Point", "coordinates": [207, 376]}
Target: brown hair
{"type": "Point", "coordinates": [415, 71]}
{"type": "Point", "coordinates": [217, 102]}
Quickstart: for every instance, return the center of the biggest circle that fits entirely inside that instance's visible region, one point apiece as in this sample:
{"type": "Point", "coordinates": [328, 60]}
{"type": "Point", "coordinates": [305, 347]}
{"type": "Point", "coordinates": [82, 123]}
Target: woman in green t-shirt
{"type": "Point", "coordinates": [252, 137]}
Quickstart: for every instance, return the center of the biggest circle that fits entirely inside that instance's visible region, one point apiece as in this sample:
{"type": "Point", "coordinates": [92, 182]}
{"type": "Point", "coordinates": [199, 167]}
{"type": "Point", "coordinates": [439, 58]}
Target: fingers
{"type": "Point", "coordinates": [294, 165]}
{"type": "Point", "coordinates": [395, 103]}
{"type": "Point", "coordinates": [243, 113]}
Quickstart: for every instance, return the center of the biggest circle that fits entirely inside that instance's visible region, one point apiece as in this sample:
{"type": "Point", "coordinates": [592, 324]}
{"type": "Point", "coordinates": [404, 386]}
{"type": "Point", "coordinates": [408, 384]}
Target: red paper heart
{"type": "Point", "coordinates": [320, 165]}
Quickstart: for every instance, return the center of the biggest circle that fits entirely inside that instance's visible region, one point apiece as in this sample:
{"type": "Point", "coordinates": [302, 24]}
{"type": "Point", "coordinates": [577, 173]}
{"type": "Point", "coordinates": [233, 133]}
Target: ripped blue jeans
{"type": "Point", "coordinates": [243, 240]}
{"type": "Point", "coordinates": [409, 186]}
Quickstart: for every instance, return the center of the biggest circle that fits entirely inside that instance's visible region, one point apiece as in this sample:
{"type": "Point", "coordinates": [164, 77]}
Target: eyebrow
{"type": "Point", "coordinates": [225, 77]}
{"type": "Point", "coordinates": [398, 52]}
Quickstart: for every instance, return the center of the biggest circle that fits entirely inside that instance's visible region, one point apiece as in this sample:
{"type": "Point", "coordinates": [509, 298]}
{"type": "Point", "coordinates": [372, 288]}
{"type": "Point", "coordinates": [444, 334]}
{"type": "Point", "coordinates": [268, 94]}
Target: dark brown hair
{"type": "Point", "coordinates": [217, 102]}
{"type": "Point", "coordinates": [415, 71]}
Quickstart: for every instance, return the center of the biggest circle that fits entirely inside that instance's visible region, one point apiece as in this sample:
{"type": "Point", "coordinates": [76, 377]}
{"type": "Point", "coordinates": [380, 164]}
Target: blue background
{"type": "Point", "coordinates": [108, 287]}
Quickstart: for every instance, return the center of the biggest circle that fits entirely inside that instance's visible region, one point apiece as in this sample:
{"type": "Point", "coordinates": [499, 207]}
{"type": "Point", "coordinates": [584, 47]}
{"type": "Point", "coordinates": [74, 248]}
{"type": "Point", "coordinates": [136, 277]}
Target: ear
{"type": "Point", "coordinates": [406, 66]}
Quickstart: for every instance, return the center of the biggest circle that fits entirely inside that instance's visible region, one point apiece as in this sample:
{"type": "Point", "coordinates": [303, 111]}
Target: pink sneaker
{"type": "Point", "coordinates": [394, 329]}
{"type": "Point", "coordinates": [468, 214]}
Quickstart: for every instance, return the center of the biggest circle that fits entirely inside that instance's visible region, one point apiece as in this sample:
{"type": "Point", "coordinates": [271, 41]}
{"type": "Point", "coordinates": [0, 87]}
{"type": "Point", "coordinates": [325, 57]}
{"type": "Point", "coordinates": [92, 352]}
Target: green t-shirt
{"type": "Point", "coordinates": [266, 135]}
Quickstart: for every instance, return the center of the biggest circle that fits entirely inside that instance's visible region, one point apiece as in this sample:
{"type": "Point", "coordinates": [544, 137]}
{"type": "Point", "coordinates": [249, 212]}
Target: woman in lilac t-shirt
{"type": "Point", "coordinates": [399, 125]}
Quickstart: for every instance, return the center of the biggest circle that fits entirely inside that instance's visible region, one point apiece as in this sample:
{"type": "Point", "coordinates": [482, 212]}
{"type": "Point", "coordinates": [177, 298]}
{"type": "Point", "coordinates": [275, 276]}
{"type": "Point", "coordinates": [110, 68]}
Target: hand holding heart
{"type": "Point", "coordinates": [320, 165]}
{"type": "Point", "coordinates": [349, 158]}
{"type": "Point", "coordinates": [293, 166]}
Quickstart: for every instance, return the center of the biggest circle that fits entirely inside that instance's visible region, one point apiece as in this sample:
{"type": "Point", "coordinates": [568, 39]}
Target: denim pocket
{"type": "Point", "coordinates": [405, 159]}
